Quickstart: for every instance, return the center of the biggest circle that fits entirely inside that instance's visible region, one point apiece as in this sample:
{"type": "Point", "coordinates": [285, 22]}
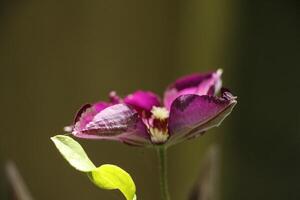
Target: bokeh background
{"type": "Point", "coordinates": [57, 55]}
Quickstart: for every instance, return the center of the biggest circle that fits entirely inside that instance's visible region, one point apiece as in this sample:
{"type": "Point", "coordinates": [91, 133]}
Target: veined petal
{"type": "Point", "coordinates": [87, 112]}
{"type": "Point", "coordinates": [201, 84]}
{"type": "Point", "coordinates": [142, 100]}
{"type": "Point", "coordinates": [118, 122]}
{"type": "Point", "coordinates": [191, 114]}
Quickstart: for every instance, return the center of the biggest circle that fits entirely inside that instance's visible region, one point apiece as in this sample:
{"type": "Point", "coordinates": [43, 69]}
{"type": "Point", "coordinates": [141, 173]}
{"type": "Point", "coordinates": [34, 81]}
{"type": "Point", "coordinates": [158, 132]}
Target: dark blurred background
{"type": "Point", "coordinates": [57, 55]}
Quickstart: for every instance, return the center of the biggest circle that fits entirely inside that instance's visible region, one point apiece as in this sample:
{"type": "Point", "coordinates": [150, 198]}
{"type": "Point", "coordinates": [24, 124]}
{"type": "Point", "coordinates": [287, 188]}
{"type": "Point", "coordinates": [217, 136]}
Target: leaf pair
{"type": "Point", "coordinates": [106, 176]}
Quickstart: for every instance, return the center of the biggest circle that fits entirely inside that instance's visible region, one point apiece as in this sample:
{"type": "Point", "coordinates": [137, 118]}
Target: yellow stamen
{"type": "Point", "coordinates": [160, 113]}
{"type": "Point", "coordinates": [158, 136]}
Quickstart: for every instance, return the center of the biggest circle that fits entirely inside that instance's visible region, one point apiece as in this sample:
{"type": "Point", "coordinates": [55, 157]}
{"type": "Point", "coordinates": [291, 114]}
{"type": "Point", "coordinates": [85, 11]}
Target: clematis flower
{"type": "Point", "coordinates": [189, 108]}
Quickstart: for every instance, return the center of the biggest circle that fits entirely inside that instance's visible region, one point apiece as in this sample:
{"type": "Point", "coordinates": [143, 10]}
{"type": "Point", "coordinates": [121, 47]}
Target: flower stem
{"type": "Point", "coordinates": [162, 156]}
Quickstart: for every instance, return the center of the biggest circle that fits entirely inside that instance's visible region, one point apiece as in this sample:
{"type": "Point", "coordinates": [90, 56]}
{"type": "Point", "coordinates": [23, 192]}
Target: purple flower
{"type": "Point", "coordinates": [190, 107]}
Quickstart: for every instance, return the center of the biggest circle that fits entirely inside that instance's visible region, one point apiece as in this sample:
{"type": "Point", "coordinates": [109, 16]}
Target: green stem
{"type": "Point", "coordinates": [161, 152]}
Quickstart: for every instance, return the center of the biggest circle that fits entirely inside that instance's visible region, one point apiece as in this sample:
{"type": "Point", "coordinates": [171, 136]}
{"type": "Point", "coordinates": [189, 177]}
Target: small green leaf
{"type": "Point", "coordinates": [73, 153]}
{"type": "Point", "coordinates": [107, 176]}
{"type": "Point", "coordinates": [113, 177]}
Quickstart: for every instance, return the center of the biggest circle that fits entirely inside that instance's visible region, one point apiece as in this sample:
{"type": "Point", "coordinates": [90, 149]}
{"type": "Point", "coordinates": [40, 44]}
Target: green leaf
{"type": "Point", "coordinates": [106, 176]}
{"type": "Point", "coordinates": [73, 153]}
{"type": "Point", "coordinates": [113, 177]}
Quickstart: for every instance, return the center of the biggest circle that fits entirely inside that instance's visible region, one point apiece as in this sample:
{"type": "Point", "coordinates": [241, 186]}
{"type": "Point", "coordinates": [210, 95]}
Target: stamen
{"type": "Point", "coordinates": [114, 98]}
{"type": "Point", "coordinates": [160, 113]}
{"type": "Point", "coordinates": [68, 129]}
{"type": "Point", "coordinates": [159, 125]}
{"type": "Point", "coordinates": [219, 72]}
{"type": "Point", "coordinates": [158, 136]}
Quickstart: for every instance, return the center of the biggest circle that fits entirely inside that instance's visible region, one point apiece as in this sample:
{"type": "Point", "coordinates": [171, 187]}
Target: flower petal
{"type": "Point", "coordinates": [191, 114]}
{"type": "Point", "coordinates": [201, 84]}
{"type": "Point", "coordinates": [142, 100]}
{"type": "Point", "coordinates": [118, 122]}
{"type": "Point", "coordinates": [87, 112]}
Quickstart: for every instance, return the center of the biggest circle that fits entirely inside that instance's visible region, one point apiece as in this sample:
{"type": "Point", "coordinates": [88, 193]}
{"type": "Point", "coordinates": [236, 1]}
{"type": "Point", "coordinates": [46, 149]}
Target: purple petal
{"type": "Point", "coordinates": [191, 114]}
{"type": "Point", "coordinates": [88, 111]}
{"type": "Point", "coordinates": [99, 106]}
{"type": "Point", "coordinates": [142, 100]}
{"type": "Point", "coordinates": [201, 84]}
{"type": "Point", "coordinates": [118, 122]}
{"type": "Point", "coordinates": [80, 111]}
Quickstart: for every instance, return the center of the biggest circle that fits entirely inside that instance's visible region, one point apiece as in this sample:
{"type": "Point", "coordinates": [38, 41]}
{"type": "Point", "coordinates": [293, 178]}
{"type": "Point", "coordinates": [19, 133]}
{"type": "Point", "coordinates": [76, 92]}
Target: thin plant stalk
{"type": "Point", "coordinates": [162, 156]}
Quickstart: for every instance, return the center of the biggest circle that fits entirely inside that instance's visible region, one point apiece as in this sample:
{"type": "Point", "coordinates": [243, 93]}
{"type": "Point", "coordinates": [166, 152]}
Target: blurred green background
{"type": "Point", "coordinates": [57, 55]}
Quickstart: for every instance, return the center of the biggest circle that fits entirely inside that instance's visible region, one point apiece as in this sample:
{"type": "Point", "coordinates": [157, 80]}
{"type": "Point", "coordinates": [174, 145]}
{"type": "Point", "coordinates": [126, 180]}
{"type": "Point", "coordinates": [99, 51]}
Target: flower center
{"type": "Point", "coordinates": [160, 113]}
{"type": "Point", "coordinates": [159, 124]}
